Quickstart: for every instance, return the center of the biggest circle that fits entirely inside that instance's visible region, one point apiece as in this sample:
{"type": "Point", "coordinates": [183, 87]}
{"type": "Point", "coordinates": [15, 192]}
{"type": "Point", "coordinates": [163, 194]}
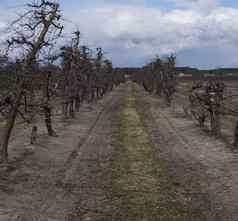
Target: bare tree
{"type": "Point", "coordinates": [34, 30]}
{"type": "Point", "coordinates": [159, 77]}
{"type": "Point", "coordinates": [71, 60]}
{"type": "Point", "coordinates": [206, 100]}
{"type": "Point", "coordinates": [215, 96]}
{"type": "Point", "coordinates": [169, 79]}
{"type": "Point", "coordinates": [198, 111]}
{"type": "Point", "coordinates": [47, 91]}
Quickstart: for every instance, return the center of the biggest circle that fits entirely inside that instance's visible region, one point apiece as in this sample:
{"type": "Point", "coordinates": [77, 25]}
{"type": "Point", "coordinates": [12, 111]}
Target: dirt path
{"type": "Point", "coordinates": [140, 188]}
{"type": "Point", "coordinates": [204, 166]}
{"type": "Point", "coordinates": [124, 158]}
{"type": "Point", "coordinates": [47, 180]}
{"type": "Point", "coordinates": [120, 179]}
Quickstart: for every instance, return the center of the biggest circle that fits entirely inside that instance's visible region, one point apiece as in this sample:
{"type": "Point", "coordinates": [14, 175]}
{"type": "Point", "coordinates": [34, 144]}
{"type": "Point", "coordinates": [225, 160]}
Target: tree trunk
{"type": "Point", "coordinates": [159, 90]}
{"type": "Point", "coordinates": [201, 120]}
{"type": "Point", "coordinates": [218, 122]}
{"type": "Point", "coordinates": [34, 134]}
{"type": "Point", "coordinates": [215, 123]}
{"type": "Point", "coordinates": [77, 103]}
{"type": "Point", "coordinates": [48, 122]}
{"type": "Point", "coordinates": [168, 98]}
{"type": "Point", "coordinates": [71, 108]}
{"type": "Point", "coordinates": [25, 103]}
{"type": "Point", "coordinates": [65, 109]}
{"type": "Point", "coordinates": [236, 136]}
{"type": "Point", "coordinates": [46, 107]}
{"type": "Point", "coordinates": [9, 126]}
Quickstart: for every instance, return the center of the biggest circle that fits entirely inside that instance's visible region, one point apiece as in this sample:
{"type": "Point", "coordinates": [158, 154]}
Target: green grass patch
{"type": "Point", "coordinates": [2, 124]}
{"type": "Point", "coordinates": [141, 189]}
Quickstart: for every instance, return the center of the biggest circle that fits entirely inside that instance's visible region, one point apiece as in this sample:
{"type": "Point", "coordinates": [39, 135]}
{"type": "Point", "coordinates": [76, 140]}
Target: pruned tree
{"type": "Point", "coordinates": [48, 91]}
{"type": "Point", "coordinates": [70, 68]}
{"type": "Point", "coordinates": [215, 96]}
{"type": "Point", "coordinates": [206, 101]}
{"type": "Point", "coordinates": [85, 77]}
{"type": "Point", "coordinates": [159, 77]}
{"type": "Point", "coordinates": [196, 106]}
{"type": "Point", "coordinates": [37, 28]}
{"type": "Point", "coordinates": [169, 79]}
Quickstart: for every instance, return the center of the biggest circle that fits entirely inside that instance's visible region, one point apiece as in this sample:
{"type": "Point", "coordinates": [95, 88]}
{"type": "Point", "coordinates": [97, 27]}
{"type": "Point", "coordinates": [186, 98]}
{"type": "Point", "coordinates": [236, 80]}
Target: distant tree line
{"type": "Point", "coordinates": [159, 77]}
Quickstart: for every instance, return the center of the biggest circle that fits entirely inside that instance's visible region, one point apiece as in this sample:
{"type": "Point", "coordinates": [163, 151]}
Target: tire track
{"type": "Point", "coordinates": [47, 190]}
{"type": "Point", "coordinates": [202, 165]}
{"type": "Point", "coordinates": [74, 154]}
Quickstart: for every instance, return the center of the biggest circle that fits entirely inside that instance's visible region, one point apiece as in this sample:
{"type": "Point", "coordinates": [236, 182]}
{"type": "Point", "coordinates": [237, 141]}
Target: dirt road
{"type": "Point", "coordinates": [126, 157]}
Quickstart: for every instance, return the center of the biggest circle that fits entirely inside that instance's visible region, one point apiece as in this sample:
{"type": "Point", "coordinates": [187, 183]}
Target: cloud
{"type": "Point", "coordinates": [132, 34]}
{"type": "Point", "coordinates": [2, 33]}
{"type": "Point", "coordinates": [138, 33]}
{"type": "Point", "coordinates": [202, 5]}
{"type": "Point", "coordinates": [2, 25]}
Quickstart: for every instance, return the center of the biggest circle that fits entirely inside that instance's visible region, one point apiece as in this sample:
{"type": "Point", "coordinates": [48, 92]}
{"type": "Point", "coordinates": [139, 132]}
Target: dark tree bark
{"type": "Point", "coordinates": [236, 136]}
{"type": "Point", "coordinates": [47, 107]}
{"type": "Point", "coordinates": [34, 134]}
{"type": "Point", "coordinates": [10, 121]}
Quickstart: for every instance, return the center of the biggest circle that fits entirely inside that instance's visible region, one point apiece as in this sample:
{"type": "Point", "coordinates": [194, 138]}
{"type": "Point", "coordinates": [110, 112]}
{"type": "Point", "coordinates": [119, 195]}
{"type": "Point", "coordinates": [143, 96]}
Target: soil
{"type": "Point", "coordinates": [124, 157]}
{"type": "Point", "coordinates": [205, 167]}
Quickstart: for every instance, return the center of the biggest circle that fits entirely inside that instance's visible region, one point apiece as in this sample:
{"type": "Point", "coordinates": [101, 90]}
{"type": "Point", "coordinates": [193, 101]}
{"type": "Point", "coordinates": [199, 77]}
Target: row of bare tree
{"type": "Point", "coordinates": [44, 72]}
{"type": "Point", "coordinates": [209, 102]}
{"type": "Point", "coordinates": [206, 103]}
{"type": "Point", "coordinates": [207, 99]}
{"type": "Point", "coordinates": [159, 77]}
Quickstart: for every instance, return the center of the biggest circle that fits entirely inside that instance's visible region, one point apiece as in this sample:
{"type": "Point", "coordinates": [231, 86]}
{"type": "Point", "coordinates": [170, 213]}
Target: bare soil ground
{"type": "Point", "coordinates": [43, 182]}
{"type": "Point", "coordinates": [205, 166]}
{"type": "Point", "coordinates": [123, 158]}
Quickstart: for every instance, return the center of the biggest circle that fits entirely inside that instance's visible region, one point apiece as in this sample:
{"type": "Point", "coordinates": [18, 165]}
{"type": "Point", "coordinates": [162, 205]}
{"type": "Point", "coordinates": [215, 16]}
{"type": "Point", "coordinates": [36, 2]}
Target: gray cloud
{"type": "Point", "coordinates": [132, 35]}
{"type": "Point", "coordinates": [138, 33]}
{"type": "Point", "coordinates": [202, 5]}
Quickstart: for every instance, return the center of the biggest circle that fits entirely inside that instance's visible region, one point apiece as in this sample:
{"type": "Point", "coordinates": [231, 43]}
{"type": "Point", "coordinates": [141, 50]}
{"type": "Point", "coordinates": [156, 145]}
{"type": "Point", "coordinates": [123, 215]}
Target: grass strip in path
{"type": "Point", "coordinates": [141, 190]}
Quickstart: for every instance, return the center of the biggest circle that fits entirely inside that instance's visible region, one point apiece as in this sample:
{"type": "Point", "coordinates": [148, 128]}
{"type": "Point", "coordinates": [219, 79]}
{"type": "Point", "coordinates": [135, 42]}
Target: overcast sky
{"type": "Point", "coordinates": [202, 33]}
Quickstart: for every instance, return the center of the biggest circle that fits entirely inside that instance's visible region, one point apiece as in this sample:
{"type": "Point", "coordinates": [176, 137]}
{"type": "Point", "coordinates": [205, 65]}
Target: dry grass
{"type": "Point", "coordinates": [141, 187]}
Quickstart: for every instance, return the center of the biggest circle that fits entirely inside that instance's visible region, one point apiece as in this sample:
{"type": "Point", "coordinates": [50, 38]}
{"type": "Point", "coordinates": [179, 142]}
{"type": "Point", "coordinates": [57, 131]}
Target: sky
{"type": "Point", "coordinates": [201, 33]}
